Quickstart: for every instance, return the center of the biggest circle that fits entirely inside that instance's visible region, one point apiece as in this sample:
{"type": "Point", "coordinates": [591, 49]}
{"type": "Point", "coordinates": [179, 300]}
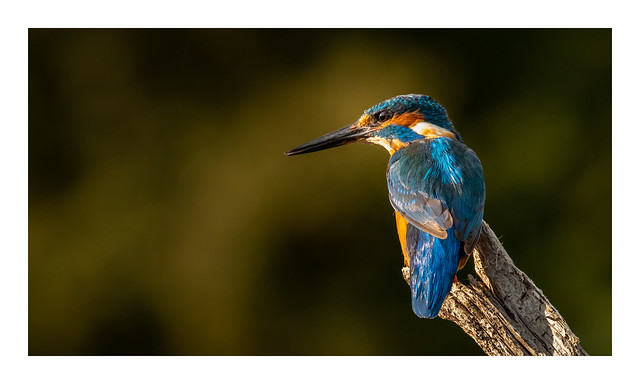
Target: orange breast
{"type": "Point", "coordinates": [401, 224]}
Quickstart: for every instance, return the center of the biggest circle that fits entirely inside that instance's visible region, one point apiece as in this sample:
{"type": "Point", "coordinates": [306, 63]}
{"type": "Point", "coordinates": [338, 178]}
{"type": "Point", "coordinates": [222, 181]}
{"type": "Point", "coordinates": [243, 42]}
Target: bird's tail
{"type": "Point", "coordinates": [433, 264]}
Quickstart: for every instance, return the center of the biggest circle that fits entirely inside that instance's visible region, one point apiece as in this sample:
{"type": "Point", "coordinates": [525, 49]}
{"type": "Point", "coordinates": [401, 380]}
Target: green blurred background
{"type": "Point", "coordinates": [164, 217]}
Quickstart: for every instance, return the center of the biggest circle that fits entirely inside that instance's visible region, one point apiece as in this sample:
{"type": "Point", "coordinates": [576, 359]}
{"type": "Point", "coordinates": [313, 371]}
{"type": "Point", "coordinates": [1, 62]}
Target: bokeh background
{"type": "Point", "coordinates": [164, 217]}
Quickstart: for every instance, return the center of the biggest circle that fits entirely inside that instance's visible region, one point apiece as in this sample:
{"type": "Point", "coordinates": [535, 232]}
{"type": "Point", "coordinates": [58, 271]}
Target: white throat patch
{"type": "Point", "coordinates": [430, 131]}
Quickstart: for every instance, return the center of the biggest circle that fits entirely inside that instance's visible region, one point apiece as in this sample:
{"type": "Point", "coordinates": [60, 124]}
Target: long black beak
{"type": "Point", "coordinates": [340, 137]}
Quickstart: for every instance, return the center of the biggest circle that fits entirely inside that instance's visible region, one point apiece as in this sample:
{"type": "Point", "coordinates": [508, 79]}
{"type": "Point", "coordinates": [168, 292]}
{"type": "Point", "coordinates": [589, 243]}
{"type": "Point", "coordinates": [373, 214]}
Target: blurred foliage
{"type": "Point", "coordinates": [165, 219]}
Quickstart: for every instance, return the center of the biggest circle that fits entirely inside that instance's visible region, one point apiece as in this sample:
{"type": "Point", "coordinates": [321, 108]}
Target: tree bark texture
{"type": "Point", "coordinates": [504, 312]}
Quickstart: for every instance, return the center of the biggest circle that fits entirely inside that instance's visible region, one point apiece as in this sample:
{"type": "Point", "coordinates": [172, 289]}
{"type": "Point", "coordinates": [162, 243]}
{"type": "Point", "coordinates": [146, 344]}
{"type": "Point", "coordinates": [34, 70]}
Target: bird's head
{"type": "Point", "coordinates": [393, 124]}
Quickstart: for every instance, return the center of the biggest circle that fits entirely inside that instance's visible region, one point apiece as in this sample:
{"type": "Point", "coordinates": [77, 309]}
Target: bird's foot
{"type": "Point", "coordinates": [406, 274]}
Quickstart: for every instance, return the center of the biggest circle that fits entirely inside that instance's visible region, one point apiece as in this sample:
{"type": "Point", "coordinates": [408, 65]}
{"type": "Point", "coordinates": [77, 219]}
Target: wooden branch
{"type": "Point", "coordinates": [505, 313]}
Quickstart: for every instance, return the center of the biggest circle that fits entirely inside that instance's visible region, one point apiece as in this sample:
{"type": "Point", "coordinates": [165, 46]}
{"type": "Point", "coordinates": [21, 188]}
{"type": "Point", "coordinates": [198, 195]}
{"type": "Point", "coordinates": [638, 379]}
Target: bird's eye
{"type": "Point", "coordinates": [384, 116]}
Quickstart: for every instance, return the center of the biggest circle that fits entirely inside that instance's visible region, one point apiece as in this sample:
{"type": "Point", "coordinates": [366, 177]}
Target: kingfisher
{"type": "Point", "coordinates": [436, 188]}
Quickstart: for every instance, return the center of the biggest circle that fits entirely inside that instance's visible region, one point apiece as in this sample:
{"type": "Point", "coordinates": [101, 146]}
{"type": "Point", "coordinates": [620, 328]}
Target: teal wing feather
{"type": "Point", "coordinates": [438, 184]}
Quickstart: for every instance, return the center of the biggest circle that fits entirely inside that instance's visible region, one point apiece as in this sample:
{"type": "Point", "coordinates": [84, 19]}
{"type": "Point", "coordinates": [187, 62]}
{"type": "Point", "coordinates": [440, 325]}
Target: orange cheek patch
{"type": "Point", "coordinates": [406, 119]}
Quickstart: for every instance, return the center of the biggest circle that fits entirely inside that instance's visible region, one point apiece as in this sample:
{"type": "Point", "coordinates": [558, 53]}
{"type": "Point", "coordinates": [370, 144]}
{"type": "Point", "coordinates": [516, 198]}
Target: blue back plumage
{"type": "Point", "coordinates": [437, 186]}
